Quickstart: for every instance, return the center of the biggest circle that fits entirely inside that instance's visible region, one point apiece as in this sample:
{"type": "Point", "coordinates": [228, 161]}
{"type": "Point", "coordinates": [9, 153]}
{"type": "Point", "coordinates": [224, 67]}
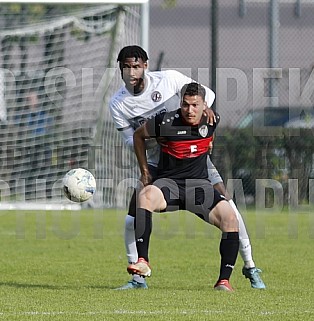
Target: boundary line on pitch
{"type": "Point", "coordinates": [141, 312]}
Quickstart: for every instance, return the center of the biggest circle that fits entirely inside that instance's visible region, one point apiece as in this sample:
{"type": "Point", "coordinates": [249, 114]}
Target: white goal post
{"type": "Point", "coordinates": [57, 75]}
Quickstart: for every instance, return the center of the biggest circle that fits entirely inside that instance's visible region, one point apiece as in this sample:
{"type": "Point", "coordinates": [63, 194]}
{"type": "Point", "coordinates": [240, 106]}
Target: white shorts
{"type": "Point", "coordinates": [213, 174]}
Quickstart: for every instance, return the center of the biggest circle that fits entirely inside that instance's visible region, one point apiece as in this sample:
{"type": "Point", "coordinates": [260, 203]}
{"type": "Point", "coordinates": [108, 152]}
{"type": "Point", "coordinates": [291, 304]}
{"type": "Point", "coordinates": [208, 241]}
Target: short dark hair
{"type": "Point", "coordinates": [193, 89]}
{"type": "Point", "coordinates": [134, 51]}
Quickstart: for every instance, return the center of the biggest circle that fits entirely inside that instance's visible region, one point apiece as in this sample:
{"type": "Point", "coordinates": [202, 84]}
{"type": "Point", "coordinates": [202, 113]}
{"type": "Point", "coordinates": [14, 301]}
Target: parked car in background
{"type": "Point", "coordinates": [277, 116]}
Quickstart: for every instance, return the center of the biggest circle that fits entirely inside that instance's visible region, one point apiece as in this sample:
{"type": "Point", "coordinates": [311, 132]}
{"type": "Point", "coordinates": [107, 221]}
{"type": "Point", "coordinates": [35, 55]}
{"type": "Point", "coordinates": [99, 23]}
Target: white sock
{"type": "Point", "coordinates": [129, 239]}
{"type": "Point", "coordinates": [130, 245]}
{"type": "Point", "coordinates": [245, 248]}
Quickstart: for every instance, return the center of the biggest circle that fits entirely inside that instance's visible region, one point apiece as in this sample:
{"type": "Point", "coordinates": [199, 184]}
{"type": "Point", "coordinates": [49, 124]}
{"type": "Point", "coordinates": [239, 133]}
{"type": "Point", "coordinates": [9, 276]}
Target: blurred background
{"type": "Point", "coordinates": [58, 71]}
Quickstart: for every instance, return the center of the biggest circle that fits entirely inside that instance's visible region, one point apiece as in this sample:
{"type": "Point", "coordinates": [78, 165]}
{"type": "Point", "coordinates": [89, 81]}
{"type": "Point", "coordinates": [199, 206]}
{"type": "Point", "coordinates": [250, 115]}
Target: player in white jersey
{"type": "Point", "coordinates": [145, 95]}
{"type": "Point", "coordinates": [160, 95]}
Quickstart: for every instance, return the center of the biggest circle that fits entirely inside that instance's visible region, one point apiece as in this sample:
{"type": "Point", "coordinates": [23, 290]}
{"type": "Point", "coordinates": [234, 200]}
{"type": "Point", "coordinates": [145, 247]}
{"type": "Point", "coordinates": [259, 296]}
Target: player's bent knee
{"type": "Point", "coordinates": [150, 198]}
{"type": "Point", "coordinates": [224, 217]}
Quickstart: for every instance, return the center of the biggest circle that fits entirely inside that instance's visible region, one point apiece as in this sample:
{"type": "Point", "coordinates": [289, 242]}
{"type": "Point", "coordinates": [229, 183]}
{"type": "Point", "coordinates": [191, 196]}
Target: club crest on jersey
{"type": "Point", "coordinates": [156, 96]}
{"type": "Point", "coordinates": [203, 130]}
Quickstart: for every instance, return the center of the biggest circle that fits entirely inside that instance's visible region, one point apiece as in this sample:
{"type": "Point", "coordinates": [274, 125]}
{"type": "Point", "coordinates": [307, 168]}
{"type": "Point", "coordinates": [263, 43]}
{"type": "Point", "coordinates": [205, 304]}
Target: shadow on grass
{"type": "Point", "coordinates": [55, 287]}
{"type": "Point", "coordinates": [39, 286]}
{"type": "Point", "coordinates": [103, 287]}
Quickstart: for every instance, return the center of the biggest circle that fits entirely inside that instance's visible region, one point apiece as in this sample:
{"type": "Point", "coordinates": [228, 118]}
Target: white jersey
{"type": "Point", "coordinates": [161, 94]}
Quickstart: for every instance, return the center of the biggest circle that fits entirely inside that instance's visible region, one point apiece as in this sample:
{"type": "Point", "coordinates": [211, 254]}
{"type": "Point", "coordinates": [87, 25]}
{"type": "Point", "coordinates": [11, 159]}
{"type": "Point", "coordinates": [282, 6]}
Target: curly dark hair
{"type": "Point", "coordinates": [134, 51]}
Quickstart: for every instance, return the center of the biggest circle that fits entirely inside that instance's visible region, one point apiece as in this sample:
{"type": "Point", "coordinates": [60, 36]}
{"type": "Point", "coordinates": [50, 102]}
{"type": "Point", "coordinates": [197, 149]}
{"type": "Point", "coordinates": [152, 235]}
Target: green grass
{"type": "Point", "coordinates": [64, 265]}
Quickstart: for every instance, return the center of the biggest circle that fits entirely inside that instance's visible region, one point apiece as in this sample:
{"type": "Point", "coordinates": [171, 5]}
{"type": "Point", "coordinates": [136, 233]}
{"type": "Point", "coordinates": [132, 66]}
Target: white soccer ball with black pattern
{"type": "Point", "coordinates": [79, 185]}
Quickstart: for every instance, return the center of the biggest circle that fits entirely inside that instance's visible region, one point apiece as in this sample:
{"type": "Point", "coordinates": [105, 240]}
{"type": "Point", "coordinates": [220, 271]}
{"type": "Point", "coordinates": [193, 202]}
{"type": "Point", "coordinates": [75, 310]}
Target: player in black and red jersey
{"type": "Point", "coordinates": [182, 180]}
{"type": "Point", "coordinates": [144, 95]}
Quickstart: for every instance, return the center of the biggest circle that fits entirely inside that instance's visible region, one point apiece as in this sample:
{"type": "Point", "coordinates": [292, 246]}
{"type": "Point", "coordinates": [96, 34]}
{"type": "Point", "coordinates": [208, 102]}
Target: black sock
{"type": "Point", "coordinates": [229, 247]}
{"type": "Point", "coordinates": [143, 229]}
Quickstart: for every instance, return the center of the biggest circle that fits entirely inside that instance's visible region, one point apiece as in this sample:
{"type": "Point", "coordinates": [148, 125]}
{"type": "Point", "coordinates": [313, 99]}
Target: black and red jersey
{"type": "Point", "coordinates": [185, 153]}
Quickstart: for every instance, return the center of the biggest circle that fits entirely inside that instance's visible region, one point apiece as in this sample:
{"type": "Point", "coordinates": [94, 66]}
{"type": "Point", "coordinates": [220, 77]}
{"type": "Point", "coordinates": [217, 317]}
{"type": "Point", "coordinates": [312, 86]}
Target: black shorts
{"type": "Point", "coordinates": [194, 195]}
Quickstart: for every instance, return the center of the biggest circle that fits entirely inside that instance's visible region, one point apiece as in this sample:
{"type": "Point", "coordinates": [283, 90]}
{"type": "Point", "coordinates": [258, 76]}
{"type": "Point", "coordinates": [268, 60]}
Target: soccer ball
{"type": "Point", "coordinates": [79, 185]}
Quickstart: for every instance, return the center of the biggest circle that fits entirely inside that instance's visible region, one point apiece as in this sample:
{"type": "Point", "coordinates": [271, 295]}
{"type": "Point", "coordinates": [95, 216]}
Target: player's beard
{"type": "Point", "coordinates": [138, 87]}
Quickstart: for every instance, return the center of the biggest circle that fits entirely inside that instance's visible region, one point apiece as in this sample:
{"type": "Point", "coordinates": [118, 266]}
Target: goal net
{"type": "Point", "coordinates": [57, 75]}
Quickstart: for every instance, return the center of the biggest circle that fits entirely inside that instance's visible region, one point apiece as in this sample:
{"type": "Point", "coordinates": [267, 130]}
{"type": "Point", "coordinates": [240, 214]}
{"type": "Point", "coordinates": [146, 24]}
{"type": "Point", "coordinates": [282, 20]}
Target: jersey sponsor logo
{"type": "Point", "coordinates": [156, 96]}
{"type": "Point", "coordinates": [203, 130]}
{"type": "Point", "coordinates": [159, 112]}
{"type": "Point", "coordinates": [140, 120]}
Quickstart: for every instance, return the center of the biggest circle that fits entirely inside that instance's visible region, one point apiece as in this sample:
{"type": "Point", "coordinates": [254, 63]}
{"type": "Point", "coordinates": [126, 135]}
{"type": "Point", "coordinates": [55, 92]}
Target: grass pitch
{"type": "Point", "coordinates": [65, 265]}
